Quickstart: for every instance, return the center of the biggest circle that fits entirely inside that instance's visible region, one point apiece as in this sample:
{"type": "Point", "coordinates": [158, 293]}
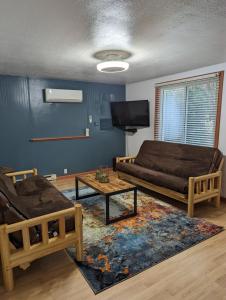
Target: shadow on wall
{"type": "Point", "coordinates": [224, 179]}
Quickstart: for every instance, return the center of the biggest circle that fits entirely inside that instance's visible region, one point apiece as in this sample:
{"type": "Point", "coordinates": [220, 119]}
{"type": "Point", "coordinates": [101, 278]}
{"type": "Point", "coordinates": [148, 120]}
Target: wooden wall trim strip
{"type": "Point", "coordinates": [60, 138]}
{"type": "Point", "coordinates": [218, 116]}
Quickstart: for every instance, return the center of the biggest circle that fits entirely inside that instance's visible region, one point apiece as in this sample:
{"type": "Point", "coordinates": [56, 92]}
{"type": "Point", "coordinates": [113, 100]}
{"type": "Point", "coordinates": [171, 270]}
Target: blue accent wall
{"type": "Point", "coordinates": [25, 115]}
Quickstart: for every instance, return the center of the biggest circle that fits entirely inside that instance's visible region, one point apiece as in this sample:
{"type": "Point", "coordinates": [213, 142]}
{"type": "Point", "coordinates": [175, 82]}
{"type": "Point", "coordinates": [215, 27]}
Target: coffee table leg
{"type": "Point", "coordinates": [108, 220]}
{"type": "Point", "coordinates": [135, 201]}
{"type": "Point", "coordinates": [107, 210]}
{"type": "Point", "coordinates": [76, 189]}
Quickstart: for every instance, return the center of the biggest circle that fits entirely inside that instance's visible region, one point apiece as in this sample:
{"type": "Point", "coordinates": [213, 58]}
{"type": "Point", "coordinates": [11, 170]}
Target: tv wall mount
{"type": "Point", "coordinates": [130, 130]}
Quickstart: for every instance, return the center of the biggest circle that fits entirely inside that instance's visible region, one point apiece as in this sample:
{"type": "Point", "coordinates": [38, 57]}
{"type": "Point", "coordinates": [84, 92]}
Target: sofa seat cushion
{"type": "Point", "coordinates": [169, 181]}
{"type": "Point", "coordinates": [37, 197]}
{"type": "Point", "coordinates": [178, 159]}
{"type": "Point", "coordinates": [47, 201]}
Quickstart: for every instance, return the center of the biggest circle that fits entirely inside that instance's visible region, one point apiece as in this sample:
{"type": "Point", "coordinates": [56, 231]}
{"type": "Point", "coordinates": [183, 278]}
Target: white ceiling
{"type": "Point", "coordinates": [57, 38]}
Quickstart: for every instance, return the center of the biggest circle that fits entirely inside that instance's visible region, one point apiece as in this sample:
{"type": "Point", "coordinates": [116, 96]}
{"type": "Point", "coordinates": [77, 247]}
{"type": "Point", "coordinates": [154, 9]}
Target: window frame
{"type": "Point", "coordinates": [219, 102]}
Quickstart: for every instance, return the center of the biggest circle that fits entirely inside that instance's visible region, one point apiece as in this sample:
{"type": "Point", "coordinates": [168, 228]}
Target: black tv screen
{"type": "Point", "coordinates": [130, 113]}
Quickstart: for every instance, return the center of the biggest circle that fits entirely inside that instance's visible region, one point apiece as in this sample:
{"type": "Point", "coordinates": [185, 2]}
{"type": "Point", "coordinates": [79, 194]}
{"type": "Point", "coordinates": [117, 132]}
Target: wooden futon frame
{"type": "Point", "coordinates": [201, 188]}
{"type": "Point", "coordinates": [22, 257]}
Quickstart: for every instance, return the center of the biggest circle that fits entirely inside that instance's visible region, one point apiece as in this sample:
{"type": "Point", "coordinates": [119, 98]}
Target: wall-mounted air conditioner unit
{"type": "Point", "coordinates": [69, 96]}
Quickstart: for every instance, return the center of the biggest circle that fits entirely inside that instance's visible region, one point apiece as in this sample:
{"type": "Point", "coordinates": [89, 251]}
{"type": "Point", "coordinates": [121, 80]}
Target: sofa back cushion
{"type": "Point", "coordinates": [7, 190]}
{"type": "Point", "coordinates": [6, 186]}
{"type": "Point", "coordinates": [178, 159]}
{"type": "Point", "coordinates": [32, 186]}
{"type": "Point", "coordinates": [5, 170]}
{"type": "Point", "coordinates": [4, 205]}
{"type": "Point", "coordinates": [9, 215]}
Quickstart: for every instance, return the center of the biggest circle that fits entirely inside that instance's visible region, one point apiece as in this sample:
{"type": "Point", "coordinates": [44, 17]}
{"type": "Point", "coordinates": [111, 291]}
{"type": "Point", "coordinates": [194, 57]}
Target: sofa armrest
{"type": "Point", "coordinates": [204, 187]}
{"type": "Point", "coordinates": [207, 176]}
{"type": "Point", "coordinates": [13, 175]}
{"type": "Point", "coordinates": [22, 256]}
{"type": "Point", "coordinates": [127, 159]}
{"type": "Point", "coordinates": [205, 184]}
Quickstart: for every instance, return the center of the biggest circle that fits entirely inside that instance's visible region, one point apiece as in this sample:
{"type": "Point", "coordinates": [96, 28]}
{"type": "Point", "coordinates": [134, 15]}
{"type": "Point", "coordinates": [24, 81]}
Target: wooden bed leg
{"type": "Point", "coordinates": [8, 279]}
{"type": "Point", "coordinates": [191, 197]}
{"type": "Point", "coordinates": [78, 228]}
{"type": "Point", "coordinates": [5, 254]}
{"type": "Point", "coordinates": [217, 200]}
{"type": "Point", "coordinates": [190, 208]}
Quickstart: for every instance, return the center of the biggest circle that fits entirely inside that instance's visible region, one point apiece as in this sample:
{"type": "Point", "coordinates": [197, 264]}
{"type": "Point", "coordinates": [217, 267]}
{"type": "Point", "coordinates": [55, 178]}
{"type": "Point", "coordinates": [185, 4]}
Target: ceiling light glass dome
{"type": "Point", "coordinates": [113, 66]}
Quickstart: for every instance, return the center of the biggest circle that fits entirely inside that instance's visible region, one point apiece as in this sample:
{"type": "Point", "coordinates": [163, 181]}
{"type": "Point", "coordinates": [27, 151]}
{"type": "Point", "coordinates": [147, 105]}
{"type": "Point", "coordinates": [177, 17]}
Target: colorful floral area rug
{"type": "Point", "coordinates": [118, 251]}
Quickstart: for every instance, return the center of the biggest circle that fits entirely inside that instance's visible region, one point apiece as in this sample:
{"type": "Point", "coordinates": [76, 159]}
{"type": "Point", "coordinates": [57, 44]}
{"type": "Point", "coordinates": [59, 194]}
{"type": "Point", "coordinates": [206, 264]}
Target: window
{"type": "Point", "coordinates": [188, 111]}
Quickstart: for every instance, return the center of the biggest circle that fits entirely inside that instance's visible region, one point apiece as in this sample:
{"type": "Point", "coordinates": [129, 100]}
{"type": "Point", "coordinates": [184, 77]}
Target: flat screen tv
{"type": "Point", "coordinates": [130, 113]}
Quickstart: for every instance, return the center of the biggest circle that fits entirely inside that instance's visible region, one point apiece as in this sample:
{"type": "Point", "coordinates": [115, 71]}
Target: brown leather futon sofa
{"type": "Point", "coordinates": [188, 173]}
{"type": "Point", "coordinates": [35, 220]}
{"type": "Point", "coordinates": [30, 198]}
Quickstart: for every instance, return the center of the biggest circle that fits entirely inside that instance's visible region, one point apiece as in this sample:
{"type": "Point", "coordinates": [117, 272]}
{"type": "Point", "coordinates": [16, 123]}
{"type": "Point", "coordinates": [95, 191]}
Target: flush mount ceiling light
{"type": "Point", "coordinates": [113, 66]}
{"type": "Point", "coordinates": [112, 61]}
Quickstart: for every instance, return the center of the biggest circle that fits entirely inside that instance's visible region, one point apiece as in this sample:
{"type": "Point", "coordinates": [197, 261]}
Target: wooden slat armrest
{"type": "Point", "coordinates": [207, 176]}
{"type": "Point", "coordinates": [125, 159]}
{"type": "Point", "coordinates": [204, 187]}
{"type": "Point", "coordinates": [38, 220]}
{"type": "Point", "coordinates": [27, 253]}
{"type": "Point", "coordinates": [13, 175]}
{"type": "Point", "coordinates": [25, 172]}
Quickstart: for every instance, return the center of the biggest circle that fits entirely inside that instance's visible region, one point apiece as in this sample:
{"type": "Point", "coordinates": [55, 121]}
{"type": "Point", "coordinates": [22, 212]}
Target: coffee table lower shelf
{"type": "Point", "coordinates": [109, 220]}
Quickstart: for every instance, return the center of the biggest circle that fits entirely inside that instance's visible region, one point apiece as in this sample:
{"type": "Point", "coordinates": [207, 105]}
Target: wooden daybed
{"type": "Point", "coordinates": [25, 253]}
{"type": "Point", "coordinates": [157, 165]}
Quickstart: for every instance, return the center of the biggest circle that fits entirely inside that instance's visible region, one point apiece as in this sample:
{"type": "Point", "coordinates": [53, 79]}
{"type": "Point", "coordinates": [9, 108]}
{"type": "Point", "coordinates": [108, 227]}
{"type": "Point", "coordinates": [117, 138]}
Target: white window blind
{"type": "Point", "coordinates": [187, 111]}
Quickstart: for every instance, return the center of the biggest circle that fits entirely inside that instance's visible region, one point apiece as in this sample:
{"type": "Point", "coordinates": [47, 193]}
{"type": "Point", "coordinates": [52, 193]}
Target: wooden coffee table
{"type": "Point", "coordinates": [113, 187]}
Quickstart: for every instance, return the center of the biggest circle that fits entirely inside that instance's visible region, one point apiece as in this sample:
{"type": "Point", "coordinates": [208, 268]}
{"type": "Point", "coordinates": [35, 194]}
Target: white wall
{"type": "Point", "coordinates": [146, 90]}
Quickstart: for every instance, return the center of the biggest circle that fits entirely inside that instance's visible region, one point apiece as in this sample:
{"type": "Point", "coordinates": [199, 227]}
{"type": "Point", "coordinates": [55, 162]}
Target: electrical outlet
{"type": "Point", "coordinates": [90, 119]}
{"type": "Point", "coordinates": [65, 171]}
